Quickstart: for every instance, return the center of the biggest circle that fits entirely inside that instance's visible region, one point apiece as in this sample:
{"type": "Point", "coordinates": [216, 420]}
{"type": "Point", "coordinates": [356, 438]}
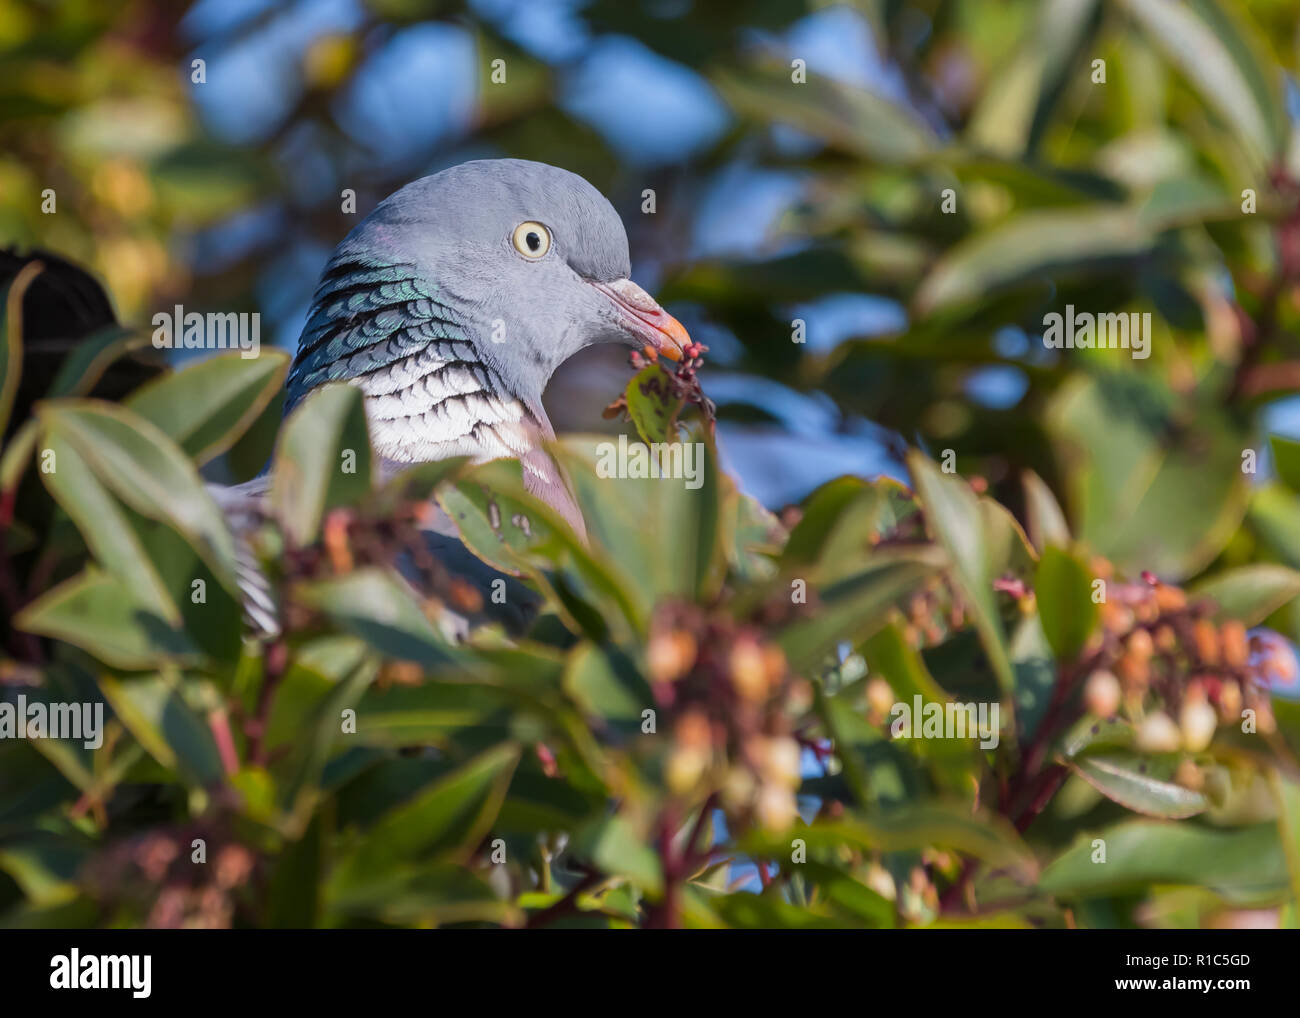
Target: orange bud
{"type": "Point", "coordinates": [1198, 722]}
{"type": "Point", "coordinates": [1170, 599]}
{"type": "Point", "coordinates": [1158, 734]}
{"type": "Point", "coordinates": [1230, 701]}
{"type": "Point", "coordinates": [1166, 640]}
{"type": "Point", "coordinates": [1236, 649]}
{"type": "Point", "coordinates": [670, 655]}
{"type": "Point", "coordinates": [1206, 638]}
{"type": "Point", "coordinates": [748, 669]}
{"type": "Point", "coordinates": [880, 699]}
{"type": "Point", "coordinates": [1133, 670]}
{"type": "Point", "coordinates": [1189, 775]}
{"type": "Point", "coordinates": [1140, 644]}
{"type": "Point", "coordinates": [1101, 694]}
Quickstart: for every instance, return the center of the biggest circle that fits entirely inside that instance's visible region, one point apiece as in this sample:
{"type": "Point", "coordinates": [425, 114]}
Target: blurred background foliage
{"type": "Point", "coordinates": [1165, 182]}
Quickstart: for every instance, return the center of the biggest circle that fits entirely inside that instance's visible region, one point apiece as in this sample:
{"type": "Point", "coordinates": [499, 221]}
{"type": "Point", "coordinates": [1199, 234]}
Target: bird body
{"type": "Point", "coordinates": [451, 305]}
{"type": "Point", "coordinates": [454, 301]}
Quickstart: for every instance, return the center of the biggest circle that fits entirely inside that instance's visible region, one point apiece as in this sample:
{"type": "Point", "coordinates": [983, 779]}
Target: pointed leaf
{"type": "Point", "coordinates": [322, 460]}
{"type": "Point", "coordinates": [207, 406]}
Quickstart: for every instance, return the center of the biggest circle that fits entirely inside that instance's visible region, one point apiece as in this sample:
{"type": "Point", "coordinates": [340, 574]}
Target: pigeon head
{"type": "Point", "coordinates": [453, 302]}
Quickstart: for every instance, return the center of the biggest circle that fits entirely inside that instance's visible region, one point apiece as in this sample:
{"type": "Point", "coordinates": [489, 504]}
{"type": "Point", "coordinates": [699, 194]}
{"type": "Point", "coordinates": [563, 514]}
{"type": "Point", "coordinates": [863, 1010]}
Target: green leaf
{"type": "Point", "coordinates": [514, 531]}
{"type": "Point", "coordinates": [322, 460]}
{"type": "Point", "coordinates": [426, 896]}
{"type": "Point", "coordinates": [744, 910]}
{"type": "Point", "coordinates": [652, 406]}
{"type": "Point", "coordinates": [1016, 107]}
{"type": "Point", "coordinates": [1156, 479]}
{"type": "Point", "coordinates": [888, 654]}
{"type": "Point", "coordinates": [207, 406]}
{"type": "Point", "coordinates": [294, 896]}
{"type": "Point", "coordinates": [147, 472]}
{"type": "Point", "coordinates": [1029, 245]}
{"type": "Point", "coordinates": [416, 483]}
{"type": "Point", "coordinates": [853, 608]}
{"type": "Point", "coordinates": [1046, 519]}
{"type": "Point", "coordinates": [850, 119]}
{"type": "Point", "coordinates": [1246, 865]}
{"type": "Point", "coordinates": [661, 535]}
{"type": "Point", "coordinates": [954, 516]}
{"type": "Point", "coordinates": [1063, 591]}
{"type": "Point", "coordinates": [1250, 593]}
{"type": "Point", "coordinates": [935, 823]}
{"type": "Point", "coordinates": [1140, 783]}
{"type": "Point", "coordinates": [1287, 795]}
{"type": "Point", "coordinates": [172, 732]}
{"type": "Point", "coordinates": [1286, 460]}
{"type": "Point", "coordinates": [449, 818]}
{"type": "Point", "coordinates": [106, 529]}
{"type": "Point", "coordinates": [97, 613]}
{"type": "Point", "coordinates": [376, 606]}
{"type": "Point", "coordinates": [1209, 48]}
{"type": "Point", "coordinates": [606, 684]}
{"type": "Point", "coordinates": [1089, 735]}
{"type": "Point", "coordinates": [839, 525]}
{"type": "Point", "coordinates": [614, 847]}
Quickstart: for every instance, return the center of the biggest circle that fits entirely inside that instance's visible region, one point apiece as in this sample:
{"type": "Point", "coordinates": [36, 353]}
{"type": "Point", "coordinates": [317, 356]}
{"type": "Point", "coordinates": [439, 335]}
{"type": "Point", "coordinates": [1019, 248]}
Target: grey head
{"type": "Point", "coordinates": [452, 303]}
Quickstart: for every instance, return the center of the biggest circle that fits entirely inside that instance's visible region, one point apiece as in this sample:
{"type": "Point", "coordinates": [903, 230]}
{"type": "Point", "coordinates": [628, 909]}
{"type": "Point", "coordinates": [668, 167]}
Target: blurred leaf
{"type": "Point", "coordinates": [1016, 106]}
{"type": "Point", "coordinates": [1155, 484]}
{"type": "Point", "coordinates": [1063, 591]}
{"type": "Point", "coordinates": [953, 514]}
{"type": "Point", "coordinates": [372, 604]}
{"type": "Point", "coordinates": [1286, 460]}
{"type": "Point", "coordinates": [853, 608]}
{"type": "Point", "coordinates": [1246, 866]}
{"type": "Point", "coordinates": [322, 460]}
{"type": "Point", "coordinates": [748, 911]}
{"type": "Point", "coordinates": [1208, 47]}
{"type": "Point", "coordinates": [294, 895]}
{"type": "Point", "coordinates": [165, 725]}
{"type": "Point", "coordinates": [952, 825]}
{"type": "Point", "coordinates": [1250, 593]}
{"type": "Point", "coordinates": [1046, 520]}
{"type": "Point", "coordinates": [1132, 782]}
{"type": "Point", "coordinates": [1033, 247]}
{"type": "Point", "coordinates": [450, 817]}
{"type": "Point", "coordinates": [850, 119]}
{"type": "Point", "coordinates": [614, 847]}
{"type": "Point", "coordinates": [839, 525]}
{"type": "Point", "coordinates": [606, 684]}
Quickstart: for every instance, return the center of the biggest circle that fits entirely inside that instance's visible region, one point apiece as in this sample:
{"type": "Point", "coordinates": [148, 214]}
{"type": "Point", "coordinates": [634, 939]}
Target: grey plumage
{"type": "Point", "coordinates": [452, 326]}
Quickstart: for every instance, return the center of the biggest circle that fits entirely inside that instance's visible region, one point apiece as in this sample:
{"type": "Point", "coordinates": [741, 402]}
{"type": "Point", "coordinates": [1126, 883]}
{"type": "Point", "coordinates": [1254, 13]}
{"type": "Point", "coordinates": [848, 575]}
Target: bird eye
{"type": "Point", "coordinates": [532, 240]}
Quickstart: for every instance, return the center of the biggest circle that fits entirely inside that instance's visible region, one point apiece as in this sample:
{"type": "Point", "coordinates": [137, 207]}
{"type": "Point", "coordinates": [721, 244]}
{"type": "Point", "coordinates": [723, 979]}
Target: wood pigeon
{"type": "Point", "coordinates": [450, 306]}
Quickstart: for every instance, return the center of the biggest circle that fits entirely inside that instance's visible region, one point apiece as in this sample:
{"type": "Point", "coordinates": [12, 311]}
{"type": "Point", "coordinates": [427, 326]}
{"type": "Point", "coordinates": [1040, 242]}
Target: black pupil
{"type": "Point", "coordinates": [533, 241]}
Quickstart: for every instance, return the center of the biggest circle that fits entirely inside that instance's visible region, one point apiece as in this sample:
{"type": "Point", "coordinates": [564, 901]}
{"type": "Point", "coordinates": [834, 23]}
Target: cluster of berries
{"type": "Point", "coordinates": [158, 870]}
{"type": "Point", "coordinates": [1161, 659]}
{"type": "Point", "coordinates": [731, 695]}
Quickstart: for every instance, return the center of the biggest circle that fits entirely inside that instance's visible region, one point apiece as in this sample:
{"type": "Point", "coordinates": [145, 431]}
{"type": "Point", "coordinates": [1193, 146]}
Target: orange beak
{"type": "Point", "coordinates": [645, 319]}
